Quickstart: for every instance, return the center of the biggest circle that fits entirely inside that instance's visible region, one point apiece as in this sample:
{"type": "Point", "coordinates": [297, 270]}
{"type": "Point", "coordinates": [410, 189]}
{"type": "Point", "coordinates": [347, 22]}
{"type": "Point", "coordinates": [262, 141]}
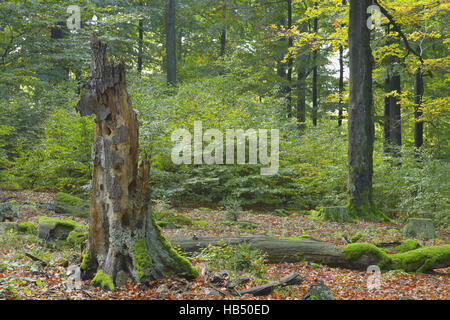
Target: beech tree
{"type": "Point", "coordinates": [361, 130]}
{"type": "Point", "coordinates": [124, 241]}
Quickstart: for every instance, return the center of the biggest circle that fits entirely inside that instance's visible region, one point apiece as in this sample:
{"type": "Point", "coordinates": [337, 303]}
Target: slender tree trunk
{"type": "Point", "coordinates": [387, 116]}
{"type": "Point", "coordinates": [124, 241]}
{"type": "Point", "coordinates": [290, 62]}
{"type": "Point", "coordinates": [341, 85]}
{"type": "Point", "coordinates": [223, 41]}
{"type": "Point", "coordinates": [140, 45]}
{"type": "Point", "coordinates": [314, 86]}
{"type": "Point", "coordinates": [361, 130]}
{"type": "Point", "coordinates": [171, 51]}
{"type": "Point", "coordinates": [301, 95]}
{"type": "Point", "coordinates": [395, 114]}
{"type": "Point", "coordinates": [418, 94]}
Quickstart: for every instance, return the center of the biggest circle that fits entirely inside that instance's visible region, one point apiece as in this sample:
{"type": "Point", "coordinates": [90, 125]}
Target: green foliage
{"type": "Point", "coordinates": [233, 209]}
{"type": "Point", "coordinates": [234, 258]}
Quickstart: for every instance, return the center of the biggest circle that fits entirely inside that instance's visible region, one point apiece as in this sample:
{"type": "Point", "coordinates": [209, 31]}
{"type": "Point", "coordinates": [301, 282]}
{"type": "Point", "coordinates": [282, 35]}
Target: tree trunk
{"type": "Point", "coordinates": [341, 84]}
{"type": "Point", "coordinates": [301, 95]}
{"type": "Point", "coordinates": [361, 129]}
{"type": "Point", "coordinates": [356, 256]}
{"type": "Point", "coordinates": [171, 51]}
{"type": "Point", "coordinates": [314, 86]}
{"type": "Point", "coordinates": [395, 114]}
{"type": "Point", "coordinates": [387, 116]}
{"type": "Point", "coordinates": [290, 62]}
{"type": "Point", "coordinates": [418, 94]}
{"type": "Point", "coordinates": [223, 41]}
{"type": "Point", "coordinates": [140, 45]}
{"type": "Point", "coordinates": [123, 238]}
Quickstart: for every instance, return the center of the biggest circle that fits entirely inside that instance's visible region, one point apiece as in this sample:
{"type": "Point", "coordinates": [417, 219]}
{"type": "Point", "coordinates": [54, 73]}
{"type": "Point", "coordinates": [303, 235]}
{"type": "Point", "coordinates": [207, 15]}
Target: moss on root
{"type": "Point", "coordinates": [103, 280]}
{"type": "Point", "coordinates": [418, 260]}
{"type": "Point", "coordinates": [85, 261]}
{"type": "Point", "coordinates": [141, 258]}
{"type": "Point", "coordinates": [182, 265]}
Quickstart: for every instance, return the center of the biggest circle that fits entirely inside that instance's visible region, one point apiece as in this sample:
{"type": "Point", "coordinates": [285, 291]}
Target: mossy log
{"type": "Point", "coordinates": [357, 256]}
{"type": "Point", "coordinates": [124, 241]}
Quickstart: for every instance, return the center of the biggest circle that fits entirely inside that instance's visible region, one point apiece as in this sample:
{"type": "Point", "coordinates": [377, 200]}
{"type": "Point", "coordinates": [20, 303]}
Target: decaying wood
{"type": "Point", "coordinates": [123, 240]}
{"type": "Point", "coordinates": [279, 251]}
{"type": "Point", "coordinates": [292, 279]}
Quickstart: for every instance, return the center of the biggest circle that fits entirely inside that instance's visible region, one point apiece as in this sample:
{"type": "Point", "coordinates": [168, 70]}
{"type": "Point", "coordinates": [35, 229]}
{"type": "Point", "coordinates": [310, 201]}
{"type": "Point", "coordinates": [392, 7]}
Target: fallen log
{"type": "Point", "coordinates": [352, 256]}
{"type": "Point", "coordinates": [292, 279]}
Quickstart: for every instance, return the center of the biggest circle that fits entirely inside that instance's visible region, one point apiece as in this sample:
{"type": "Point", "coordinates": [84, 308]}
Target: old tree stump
{"type": "Point", "coordinates": [124, 240]}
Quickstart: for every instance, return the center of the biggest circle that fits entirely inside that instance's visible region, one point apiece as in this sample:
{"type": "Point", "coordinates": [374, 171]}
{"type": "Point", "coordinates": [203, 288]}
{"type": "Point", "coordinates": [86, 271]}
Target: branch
{"type": "Point", "coordinates": [397, 28]}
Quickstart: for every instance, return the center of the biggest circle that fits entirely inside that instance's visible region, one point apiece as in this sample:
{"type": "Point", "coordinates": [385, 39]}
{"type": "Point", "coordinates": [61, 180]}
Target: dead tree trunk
{"type": "Point", "coordinates": [123, 238]}
{"type": "Point", "coordinates": [356, 256]}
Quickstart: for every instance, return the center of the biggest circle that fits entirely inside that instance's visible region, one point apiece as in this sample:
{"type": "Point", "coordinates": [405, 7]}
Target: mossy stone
{"type": "Point", "coordinates": [67, 204]}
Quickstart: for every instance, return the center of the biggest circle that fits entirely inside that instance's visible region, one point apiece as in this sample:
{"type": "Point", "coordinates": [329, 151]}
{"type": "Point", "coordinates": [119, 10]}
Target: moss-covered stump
{"type": "Point", "coordinates": [9, 210]}
{"type": "Point", "coordinates": [419, 228]}
{"type": "Point", "coordinates": [338, 214]}
{"type": "Point", "coordinates": [50, 228]}
{"type": "Point", "coordinates": [67, 204]}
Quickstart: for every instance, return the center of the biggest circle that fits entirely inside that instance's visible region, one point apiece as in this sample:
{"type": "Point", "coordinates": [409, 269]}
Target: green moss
{"type": "Point", "coordinates": [180, 263]}
{"type": "Point", "coordinates": [419, 260]}
{"type": "Point", "coordinates": [67, 204]}
{"type": "Point", "coordinates": [408, 245]}
{"type": "Point", "coordinates": [77, 237]}
{"type": "Point", "coordinates": [27, 227]}
{"type": "Point", "coordinates": [85, 261]}
{"type": "Point", "coordinates": [69, 199]}
{"type": "Point", "coordinates": [358, 235]}
{"type": "Point", "coordinates": [201, 222]}
{"type": "Point", "coordinates": [313, 298]}
{"type": "Point", "coordinates": [63, 222]}
{"type": "Point", "coordinates": [103, 280]}
{"type": "Point", "coordinates": [315, 265]}
{"type": "Point", "coordinates": [354, 251]}
{"type": "Point", "coordinates": [301, 237]}
{"type": "Point", "coordinates": [422, 259]}
{"type": "Point", "coordinates": [142, 260]}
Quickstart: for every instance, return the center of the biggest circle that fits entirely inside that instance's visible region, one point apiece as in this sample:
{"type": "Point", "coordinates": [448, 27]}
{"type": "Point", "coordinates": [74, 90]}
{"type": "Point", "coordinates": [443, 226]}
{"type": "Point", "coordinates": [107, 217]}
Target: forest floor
{"type": "Point", "coordinates": [23, 278]}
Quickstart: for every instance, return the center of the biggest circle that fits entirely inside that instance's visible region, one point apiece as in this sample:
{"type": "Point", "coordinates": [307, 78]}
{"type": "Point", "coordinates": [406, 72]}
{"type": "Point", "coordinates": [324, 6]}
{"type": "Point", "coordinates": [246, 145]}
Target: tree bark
{"type": "Point", "coordinates": [395, 114]}
{"type": "Point", "coordinates": [280, 251]}
{"type": "Point", "coordinates": [124, 241]}
{"type": "Point", "coordinates": [418, 94]}
{"type": "Point", "coordinates": [361, 129]}
{"type": "Point", "coordinates": [387, 116]}
{"type": "Point", "coordinates": [301, 95]}
{"type": "Point", "coordinates": [223, 41]}
{"type": "Point", "coordinates": [140, 45]}
{"type": "Point", "coordinates": [290, 62]}
{"type": "Point", "coordinates": [314, 85]}
{"type": "Point", "coordinates": [171, 51]}
{"type": "Point", "coordinates": [341, 85]}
